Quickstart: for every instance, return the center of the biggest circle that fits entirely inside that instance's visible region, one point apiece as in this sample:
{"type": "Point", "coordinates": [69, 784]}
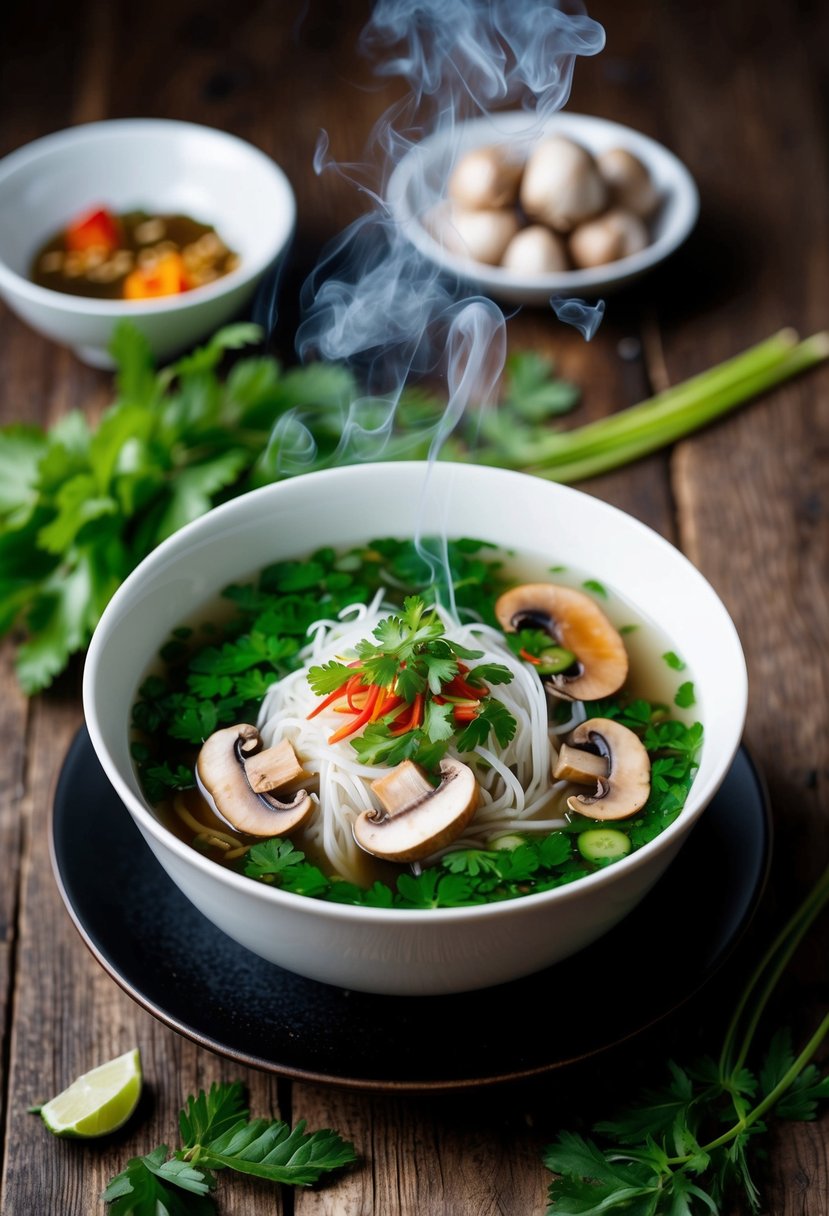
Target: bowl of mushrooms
{"type": "Point", "coordinates": [578, 205]}
{"type": "Point", "coordinates": [382, 835]}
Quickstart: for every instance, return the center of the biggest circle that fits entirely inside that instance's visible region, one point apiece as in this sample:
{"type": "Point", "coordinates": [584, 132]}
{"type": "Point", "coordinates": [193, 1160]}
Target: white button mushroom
{"type": "Point", "coordinates": [616, 234]}
{"type": "Point", "coordinates": [562, 185]}
{"type": "Point", "coordinates": [631, 185]}
{"type": "Point", "coordinates": [480, 235]}
{"type": "Point", "coordinates": [535, 250]}
{"type": "Point", "coordinates": [486, 178]}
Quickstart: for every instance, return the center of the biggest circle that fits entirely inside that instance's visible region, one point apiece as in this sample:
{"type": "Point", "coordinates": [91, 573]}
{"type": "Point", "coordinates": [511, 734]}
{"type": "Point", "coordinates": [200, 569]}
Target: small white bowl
{"type": "Point", "coordinates": [129, 164]}
{"type": "Point", "coordinates": [420, 180]}
{"type": "Point", "coordinates": [395, 951]}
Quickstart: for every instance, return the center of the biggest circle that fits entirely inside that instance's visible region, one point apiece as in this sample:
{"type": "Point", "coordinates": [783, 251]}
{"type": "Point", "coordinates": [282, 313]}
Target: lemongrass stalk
{"type": "Point", "coordinates": [638, 419]}
{"type": "Point", "coordinates": [666, 427]}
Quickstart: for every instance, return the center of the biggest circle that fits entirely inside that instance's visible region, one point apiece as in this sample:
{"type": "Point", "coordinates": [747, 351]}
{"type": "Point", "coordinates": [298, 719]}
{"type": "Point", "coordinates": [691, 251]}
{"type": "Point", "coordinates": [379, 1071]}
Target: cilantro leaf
{"type": "Point", "coordinates": [153, 1186]}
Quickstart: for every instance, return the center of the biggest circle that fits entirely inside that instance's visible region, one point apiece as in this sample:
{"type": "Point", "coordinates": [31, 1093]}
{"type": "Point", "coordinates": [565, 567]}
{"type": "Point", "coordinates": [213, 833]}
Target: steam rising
{"type": "Point", "coordinates": [375, 302]}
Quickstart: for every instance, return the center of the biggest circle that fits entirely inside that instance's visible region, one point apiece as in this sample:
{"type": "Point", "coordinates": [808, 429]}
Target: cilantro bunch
{"type": "Point", "coordinates": [685, 1149]}
{"type": "Point", "coordinates": [410, 692]}
{"type": "Point", "coordinates": [81, 504]}
{"type": "Point", "coordinates": [217, 1133]}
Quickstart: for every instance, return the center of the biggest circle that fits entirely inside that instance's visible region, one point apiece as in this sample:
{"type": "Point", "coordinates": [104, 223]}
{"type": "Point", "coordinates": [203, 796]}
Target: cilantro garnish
{"type": "Point", "coordinates": [218, 1133]}
{"type": "Point", "coordinates": [409, 692]}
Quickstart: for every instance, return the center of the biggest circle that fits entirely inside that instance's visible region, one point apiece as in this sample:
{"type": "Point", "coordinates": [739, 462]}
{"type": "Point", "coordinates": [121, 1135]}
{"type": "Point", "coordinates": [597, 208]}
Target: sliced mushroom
{"type": "Point", "coordinates": [624, 786]}
{"type": "Point", "coordinates": [576, 622]}
{"type": "Point", "coordinates": [417, 818]}
{"type": "Point", "coordinates": [241, 796]}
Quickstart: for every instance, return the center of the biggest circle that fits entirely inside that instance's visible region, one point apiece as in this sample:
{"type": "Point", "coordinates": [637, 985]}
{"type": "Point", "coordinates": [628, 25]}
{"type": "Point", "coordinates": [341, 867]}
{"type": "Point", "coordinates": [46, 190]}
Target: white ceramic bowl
{"type": "Point", "coordinates": [128, 164]}
{"type": "Point", "coordinates": [421, 178]}
{"type": "Point", "coordinates": [412, 951]}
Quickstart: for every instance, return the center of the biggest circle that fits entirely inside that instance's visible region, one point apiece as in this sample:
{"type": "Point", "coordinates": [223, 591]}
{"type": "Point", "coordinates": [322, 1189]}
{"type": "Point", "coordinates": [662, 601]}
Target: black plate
{"type": "Point", "coordinates": [192, 977]}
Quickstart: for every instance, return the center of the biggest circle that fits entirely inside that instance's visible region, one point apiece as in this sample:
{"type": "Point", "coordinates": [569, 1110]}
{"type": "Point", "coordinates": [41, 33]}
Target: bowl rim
{"type": "Point", "coordinates": [698, 798]}
{"type": "Point", "coordinates": [249, 269]}
{"type": "Point", "coordinates": [479, 131]}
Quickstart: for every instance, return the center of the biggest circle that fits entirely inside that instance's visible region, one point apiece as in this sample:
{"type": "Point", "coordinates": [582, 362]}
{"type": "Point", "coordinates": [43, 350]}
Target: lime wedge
{"type": "Point", "coordinates": [98, 1102]}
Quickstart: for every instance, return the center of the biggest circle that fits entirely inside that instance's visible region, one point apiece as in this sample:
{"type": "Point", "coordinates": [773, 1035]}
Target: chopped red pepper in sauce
{"type": "Point", "coordinates": [134, 256]}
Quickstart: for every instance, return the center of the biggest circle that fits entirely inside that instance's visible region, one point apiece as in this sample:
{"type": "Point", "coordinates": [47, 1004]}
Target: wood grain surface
{"type": "Point", "coordinates": [738, 91]}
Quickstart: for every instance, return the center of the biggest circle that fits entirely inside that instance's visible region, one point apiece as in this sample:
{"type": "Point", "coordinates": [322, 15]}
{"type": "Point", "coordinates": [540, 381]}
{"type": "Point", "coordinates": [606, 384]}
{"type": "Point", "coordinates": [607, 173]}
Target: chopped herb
{"type": "Point", "coordinates": [596, 587]}
{"type": "Point", "coordinates": [674, 661]}
{"type": "Point", "coordinates": [685, 696]}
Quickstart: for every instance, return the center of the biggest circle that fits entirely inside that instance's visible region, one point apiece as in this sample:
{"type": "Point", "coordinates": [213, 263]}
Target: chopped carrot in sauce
{"type": "Point", "coordinates": [165, 276]}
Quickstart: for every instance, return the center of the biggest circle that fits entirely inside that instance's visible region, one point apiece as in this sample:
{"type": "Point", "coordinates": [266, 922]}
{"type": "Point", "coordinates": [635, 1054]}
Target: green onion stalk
{"type": "Point", "coordinates": [608, 443]}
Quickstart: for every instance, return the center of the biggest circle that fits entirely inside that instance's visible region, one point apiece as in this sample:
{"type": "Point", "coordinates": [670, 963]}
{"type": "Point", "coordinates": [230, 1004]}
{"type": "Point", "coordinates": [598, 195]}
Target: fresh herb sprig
{"type": "Point", "coordinates": [217, 1133]}
{"type": "Point", "coordinates": [685, 1149]}
{"type": "Point", "coordinates": [411, 692]}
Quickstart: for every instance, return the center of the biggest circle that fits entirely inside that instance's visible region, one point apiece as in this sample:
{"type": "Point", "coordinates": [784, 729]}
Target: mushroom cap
{"type": "Point", "coordinates": [221, 774]}
{"type": "Point", "coordinates": [536, 250]}
{"type": "Point", "coordinates": [614, 235]}
{"type": "Point", "coordinates": [627, 786]}
{"type": "Point", "coordinates": [562, 185]}
{"type": "Point", "coordinates": [631, 185]}
{"type": "Point", "coordinates": [480, 235]}
{"type": "Point", "coordinates": [577, 623]}
{"type": "Point", "coordinates": [485, 178]}
{"type": "Point", "coordinates": [418, 818]}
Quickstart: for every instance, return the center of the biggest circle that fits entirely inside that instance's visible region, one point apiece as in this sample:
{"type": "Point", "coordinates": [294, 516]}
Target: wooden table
{"type": "Point", "coordinates": [735, 90]}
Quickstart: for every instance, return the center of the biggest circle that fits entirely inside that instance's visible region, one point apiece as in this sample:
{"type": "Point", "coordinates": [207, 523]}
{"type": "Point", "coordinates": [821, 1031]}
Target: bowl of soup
{"type": "Point", "coordinates": [170, 224]}
{"type": "Point", "coordinates": [415, 729]}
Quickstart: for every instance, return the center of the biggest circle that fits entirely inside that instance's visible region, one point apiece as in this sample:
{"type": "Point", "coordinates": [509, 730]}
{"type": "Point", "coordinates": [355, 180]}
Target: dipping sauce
{"type": "Point", "coordinates": [134, 256]}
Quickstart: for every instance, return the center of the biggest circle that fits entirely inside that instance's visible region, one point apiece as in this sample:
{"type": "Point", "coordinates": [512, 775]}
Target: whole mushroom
{"type": "Point", "coordinates": [535, 250]}
{"type": "Point", "coordinates": [480, 235]}
{"type": "Point", "coordinates": [614, 235]}
{"type": "Point", "coordinates": [486, 178]}
{"type": "Point", "coordinates": [562, 185]}
{"type": "Point", "coordinates": [631, 185]}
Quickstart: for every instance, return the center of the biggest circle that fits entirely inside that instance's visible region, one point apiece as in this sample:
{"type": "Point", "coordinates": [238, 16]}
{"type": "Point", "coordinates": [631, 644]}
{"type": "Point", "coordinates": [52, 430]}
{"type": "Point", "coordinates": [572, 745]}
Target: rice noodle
{"type": "Point", "coordinates": [515, 781]}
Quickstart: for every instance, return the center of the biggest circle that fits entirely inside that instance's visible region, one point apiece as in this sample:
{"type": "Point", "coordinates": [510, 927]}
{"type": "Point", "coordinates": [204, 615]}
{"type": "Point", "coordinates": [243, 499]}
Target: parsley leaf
{"type": "Point", "coordinates": [217, 1133]}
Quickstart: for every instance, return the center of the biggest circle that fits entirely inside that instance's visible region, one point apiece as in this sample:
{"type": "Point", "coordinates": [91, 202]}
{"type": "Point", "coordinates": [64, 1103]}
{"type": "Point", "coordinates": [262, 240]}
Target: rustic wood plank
{"type": "Point", "coordinates": [752, 491]}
